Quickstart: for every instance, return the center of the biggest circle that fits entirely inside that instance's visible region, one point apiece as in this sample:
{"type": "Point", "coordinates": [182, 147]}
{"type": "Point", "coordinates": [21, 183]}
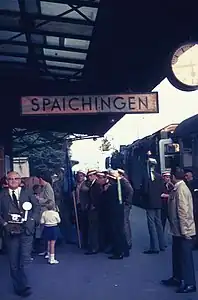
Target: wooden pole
{"type": "Point", "coordinates": [77, 222]}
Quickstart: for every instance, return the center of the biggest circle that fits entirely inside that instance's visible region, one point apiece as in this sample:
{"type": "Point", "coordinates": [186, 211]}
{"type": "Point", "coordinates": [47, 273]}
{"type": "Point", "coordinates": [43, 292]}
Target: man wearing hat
{"type": "Point", "coordinates": [94, 197]}
{"type": "Point", "coordinates": [115, 195]}
{"type": "Point", "coordinates": [128, 192]}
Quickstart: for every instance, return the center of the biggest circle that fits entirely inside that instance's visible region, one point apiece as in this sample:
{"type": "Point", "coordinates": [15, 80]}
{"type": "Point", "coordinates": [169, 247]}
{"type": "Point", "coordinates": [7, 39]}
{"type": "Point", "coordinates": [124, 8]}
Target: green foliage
{"type": "Point", "coordinates": [45, 149]}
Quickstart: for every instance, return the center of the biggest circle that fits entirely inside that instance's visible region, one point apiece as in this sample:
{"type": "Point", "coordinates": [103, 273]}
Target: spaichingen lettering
{"type": "Point", "coordinates": [88, 103]}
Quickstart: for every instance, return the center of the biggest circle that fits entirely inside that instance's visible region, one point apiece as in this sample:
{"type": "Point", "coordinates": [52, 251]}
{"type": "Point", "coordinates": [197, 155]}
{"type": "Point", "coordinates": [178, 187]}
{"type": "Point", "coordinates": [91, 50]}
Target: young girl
{"type": "Point", "coordinates": [50, 218]}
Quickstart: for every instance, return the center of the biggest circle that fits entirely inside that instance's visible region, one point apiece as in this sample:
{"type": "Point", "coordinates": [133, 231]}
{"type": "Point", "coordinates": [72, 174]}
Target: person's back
{"type": "Point", "coordinates": [50, 219]}
{"type": "Point", "coordinates": [153, 205]}
{"type": "Point", "coordinates": [155, 189]}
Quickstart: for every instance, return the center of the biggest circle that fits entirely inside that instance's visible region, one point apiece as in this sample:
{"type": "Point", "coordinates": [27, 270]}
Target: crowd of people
{"type": "Point", "coordinates": [102, 204]}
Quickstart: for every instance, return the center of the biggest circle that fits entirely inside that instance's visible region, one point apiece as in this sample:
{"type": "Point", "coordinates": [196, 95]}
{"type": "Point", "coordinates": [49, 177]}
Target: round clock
{"type": "Point", "coordinates": [183, 67]}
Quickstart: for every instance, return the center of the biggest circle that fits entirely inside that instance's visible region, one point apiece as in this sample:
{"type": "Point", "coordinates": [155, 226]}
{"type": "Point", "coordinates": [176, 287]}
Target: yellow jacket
{"type": "Point", "coordinates": [180, 211]}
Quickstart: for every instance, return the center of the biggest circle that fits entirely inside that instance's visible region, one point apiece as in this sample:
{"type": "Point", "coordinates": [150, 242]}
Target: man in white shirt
{"type": "Point", "coordinates": [19, 235]}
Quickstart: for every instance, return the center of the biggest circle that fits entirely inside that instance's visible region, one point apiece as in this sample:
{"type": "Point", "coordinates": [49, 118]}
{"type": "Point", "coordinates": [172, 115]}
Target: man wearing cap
{"type": "Point", "coordinates": [115, 195]}
{"type": "Point", "coordinates": [127, 200]}
{"type": "Point", "coordinates": [94, 196]}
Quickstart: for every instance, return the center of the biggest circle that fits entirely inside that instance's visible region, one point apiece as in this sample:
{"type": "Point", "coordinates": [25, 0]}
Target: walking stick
{"type": "Point", "coordinates": [77, 222]}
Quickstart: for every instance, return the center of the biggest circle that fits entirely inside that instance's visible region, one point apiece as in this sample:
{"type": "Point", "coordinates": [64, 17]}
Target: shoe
{"type": "Point", "coordinates": [151, 252]}
{"type": "Point", "coordinates": [171, 282]}
{"type": "Point", "coordinates": [47, 256]}
{"type": "Point", "coordinates": [24, 293]}
{"type": "Point", "coordinates": [115, 257]}
{"type": "Point", "coordinates": [53, 262]}
{"type": "Point", "coordinates": [186, 289]}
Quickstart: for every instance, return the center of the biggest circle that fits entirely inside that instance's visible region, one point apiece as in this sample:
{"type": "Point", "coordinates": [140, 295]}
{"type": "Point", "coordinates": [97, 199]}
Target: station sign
{"type": "Point", "coordinates": [90, 104]}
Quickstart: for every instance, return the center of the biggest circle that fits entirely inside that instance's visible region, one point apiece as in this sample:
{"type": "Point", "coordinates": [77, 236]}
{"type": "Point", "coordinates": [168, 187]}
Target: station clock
{"type": "Point", "coordinates": [183, 67]}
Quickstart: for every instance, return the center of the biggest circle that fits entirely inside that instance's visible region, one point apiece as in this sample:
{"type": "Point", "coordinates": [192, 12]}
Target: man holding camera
{"type": "Point", "coordinates": [19, 223]}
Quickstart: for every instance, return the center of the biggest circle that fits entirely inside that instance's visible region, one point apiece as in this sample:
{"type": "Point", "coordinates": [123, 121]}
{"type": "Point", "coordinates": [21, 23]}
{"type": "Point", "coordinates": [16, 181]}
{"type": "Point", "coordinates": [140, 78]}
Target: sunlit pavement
{"type": "Point", "coordinates": [79, 277]}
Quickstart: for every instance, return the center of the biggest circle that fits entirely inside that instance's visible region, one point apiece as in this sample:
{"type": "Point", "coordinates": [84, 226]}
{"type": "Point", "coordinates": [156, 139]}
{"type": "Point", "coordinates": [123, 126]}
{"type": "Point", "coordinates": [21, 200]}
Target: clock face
{"type": "Point", "coordinates": [184, 64]}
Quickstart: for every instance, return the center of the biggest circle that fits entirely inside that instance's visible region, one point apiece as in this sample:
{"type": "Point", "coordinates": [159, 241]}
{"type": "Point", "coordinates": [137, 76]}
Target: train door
{"type": "Point", "coordinates": [169, 153]}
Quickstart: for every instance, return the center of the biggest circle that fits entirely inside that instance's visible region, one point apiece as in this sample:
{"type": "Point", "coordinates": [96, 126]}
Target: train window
{"type": "Point", "coordinates": [168, 162]}
{"type": "Point", "coordinates": [171, 148]}
{"type": "Point", "coordinates": [171, 160]}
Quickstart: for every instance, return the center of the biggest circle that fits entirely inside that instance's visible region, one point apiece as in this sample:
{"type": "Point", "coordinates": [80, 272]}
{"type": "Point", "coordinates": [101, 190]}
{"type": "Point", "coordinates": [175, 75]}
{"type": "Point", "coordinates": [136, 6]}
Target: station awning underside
{"type": "Point", "coordinates": [61, 47]}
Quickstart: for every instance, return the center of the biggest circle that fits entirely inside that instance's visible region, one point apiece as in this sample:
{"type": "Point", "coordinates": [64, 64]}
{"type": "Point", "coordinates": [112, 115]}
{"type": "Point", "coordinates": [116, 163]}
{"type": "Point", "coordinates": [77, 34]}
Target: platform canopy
{"type": "Point", "coordinates": [61, 47]}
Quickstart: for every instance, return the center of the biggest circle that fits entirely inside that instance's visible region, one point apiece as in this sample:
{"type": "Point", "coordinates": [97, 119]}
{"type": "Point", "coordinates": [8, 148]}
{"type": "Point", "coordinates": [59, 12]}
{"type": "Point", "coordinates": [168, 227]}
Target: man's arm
{"type": "Point", "coordinates": [127, 191]}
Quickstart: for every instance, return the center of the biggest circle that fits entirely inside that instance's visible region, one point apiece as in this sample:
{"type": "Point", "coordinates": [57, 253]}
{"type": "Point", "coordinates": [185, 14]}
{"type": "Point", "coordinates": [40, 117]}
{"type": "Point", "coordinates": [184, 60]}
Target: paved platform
{"type": "Point", "coordinates": [79, 277]}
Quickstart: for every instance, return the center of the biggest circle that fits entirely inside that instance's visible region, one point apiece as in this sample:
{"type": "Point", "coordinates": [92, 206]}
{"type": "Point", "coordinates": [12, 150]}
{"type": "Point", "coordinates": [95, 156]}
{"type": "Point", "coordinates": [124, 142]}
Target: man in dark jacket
{"type": "Point", "coordinates": [127, 200]}
{"type": "Point", "coordinates": [114, 194]}
{"type": "Point", "coordinates": [155, 189]}
{"type": "Point", "coordinates": [94, 196]}
{"type": "Point", "coordinates": [19, 231]}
